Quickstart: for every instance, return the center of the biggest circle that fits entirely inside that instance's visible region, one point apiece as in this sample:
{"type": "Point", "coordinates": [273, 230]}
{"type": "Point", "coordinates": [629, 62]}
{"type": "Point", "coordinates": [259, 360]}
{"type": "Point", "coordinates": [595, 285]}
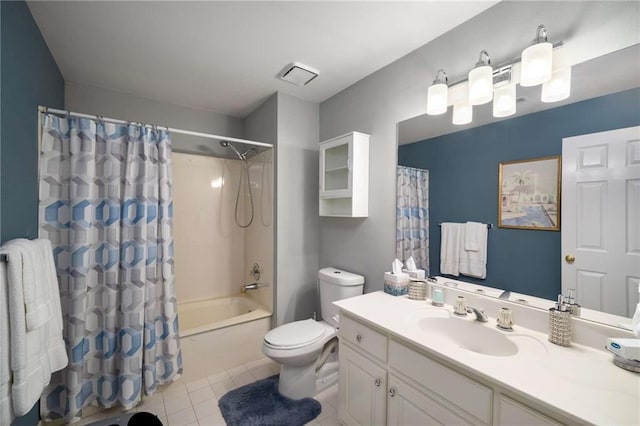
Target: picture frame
{"type": "Point", "coordinates": [529, 194]}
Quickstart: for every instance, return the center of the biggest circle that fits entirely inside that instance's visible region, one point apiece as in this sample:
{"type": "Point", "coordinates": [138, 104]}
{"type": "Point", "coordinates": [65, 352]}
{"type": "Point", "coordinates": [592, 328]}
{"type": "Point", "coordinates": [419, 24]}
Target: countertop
{"type": "Point", "coordinates": [578, 381]}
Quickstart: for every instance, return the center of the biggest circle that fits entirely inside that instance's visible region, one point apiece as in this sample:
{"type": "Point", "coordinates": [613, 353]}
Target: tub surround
{"type": "Point", "coordinates": [578, 384]}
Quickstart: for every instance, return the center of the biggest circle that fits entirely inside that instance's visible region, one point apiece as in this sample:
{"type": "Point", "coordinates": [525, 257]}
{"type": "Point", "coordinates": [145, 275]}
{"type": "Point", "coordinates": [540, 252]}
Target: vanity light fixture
{"type": "Point", "coordinates": [437, 101]}
{"type": "Point", "coordinates": [537, 60]}
{"type": "Point", "coordinates": [481, 81]}
{"type": "Point", "coordinates": [538, 66]}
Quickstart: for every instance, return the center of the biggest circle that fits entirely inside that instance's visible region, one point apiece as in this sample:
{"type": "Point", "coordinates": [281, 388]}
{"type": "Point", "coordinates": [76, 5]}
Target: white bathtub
{"type": "Point", "coordinates": [219, 334]}
{"type": "Point", "coordinates": [212, 314]}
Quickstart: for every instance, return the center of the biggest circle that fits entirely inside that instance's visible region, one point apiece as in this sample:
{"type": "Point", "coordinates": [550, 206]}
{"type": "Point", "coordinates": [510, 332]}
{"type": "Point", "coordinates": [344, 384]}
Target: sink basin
{"type": "Point", "coordinates": [470, 335]}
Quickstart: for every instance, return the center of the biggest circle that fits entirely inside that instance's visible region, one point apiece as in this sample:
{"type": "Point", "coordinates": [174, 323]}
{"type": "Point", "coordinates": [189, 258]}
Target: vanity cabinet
{"type": "Point", "coordinates": [344, 176]}
{"type": "Point", "coordinates": [384, 382]}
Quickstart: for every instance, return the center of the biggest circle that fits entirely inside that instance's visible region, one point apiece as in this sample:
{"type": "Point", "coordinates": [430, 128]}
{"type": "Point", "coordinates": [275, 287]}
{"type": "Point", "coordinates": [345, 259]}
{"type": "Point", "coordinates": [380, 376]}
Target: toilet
{"type": "Point", "coordinates": [307, 350]}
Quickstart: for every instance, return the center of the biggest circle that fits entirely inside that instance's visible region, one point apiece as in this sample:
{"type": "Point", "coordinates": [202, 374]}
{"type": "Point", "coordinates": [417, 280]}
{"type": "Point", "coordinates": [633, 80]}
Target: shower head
{"type": "Point", "coordinates": [242, 156]}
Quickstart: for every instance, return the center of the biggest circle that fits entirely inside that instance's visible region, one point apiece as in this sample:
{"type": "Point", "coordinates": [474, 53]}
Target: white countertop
{"type": "Point", "coordinates": [579, 381]}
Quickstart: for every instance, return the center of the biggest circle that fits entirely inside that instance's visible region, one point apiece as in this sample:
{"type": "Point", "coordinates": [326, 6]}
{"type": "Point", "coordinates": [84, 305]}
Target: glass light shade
{"type": "Point", "coordinates": [462, 113]}
{"type": "Point", "coordinates": [558, 87]}
{"type": "Point", "coordinates": [480, 85]}
{"type": "Point", "coordinates": [536, 64]}
{"type": "Point", "coordinates": [504, 100]}
{"type": "Point", "coordinates": [437, 99]}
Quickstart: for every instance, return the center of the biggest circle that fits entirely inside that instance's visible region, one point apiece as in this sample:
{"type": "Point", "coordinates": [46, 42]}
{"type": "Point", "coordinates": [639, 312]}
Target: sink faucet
{"type": "Point", "coordinates": [252, 286]}
{"type": "Point", "coordinates": [480, 315]}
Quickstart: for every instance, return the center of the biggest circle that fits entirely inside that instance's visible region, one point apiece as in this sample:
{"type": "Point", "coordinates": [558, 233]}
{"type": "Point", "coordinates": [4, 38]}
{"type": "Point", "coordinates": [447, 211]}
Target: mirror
{"type": "Point", "coordinates": [463, 164]}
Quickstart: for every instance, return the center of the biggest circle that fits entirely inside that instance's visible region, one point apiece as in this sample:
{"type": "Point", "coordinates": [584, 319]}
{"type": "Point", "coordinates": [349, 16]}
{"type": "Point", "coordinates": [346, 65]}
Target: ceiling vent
{"type": "Point", "coordinates": [298, 73]}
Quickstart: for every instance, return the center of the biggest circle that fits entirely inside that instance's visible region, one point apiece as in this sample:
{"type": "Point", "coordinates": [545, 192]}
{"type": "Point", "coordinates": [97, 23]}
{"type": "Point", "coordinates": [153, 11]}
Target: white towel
{"type": "Point", "coordinates": [6, 409]}
{"type": "Point", "coordinates": [474, 233]}
{"type": "Point", "coordinates": [34, 353]}
{"type": "Point", "coordinates": [450, 246]}
{"type": "Point", "coordinates": [474, 262]}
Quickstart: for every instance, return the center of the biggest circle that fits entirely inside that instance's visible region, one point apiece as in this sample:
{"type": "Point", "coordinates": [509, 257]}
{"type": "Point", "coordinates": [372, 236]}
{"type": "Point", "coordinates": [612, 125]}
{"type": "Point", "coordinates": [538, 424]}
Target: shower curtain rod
{"type": "Point", "coordinates": [45, 110]}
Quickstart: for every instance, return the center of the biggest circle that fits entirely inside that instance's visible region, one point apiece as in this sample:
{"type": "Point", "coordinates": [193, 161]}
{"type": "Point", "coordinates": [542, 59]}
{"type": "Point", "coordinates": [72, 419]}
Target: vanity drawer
{"type": "Point", "coordinates": [363, 337]}
{"type": "Point", "coordinates": [465, 393]}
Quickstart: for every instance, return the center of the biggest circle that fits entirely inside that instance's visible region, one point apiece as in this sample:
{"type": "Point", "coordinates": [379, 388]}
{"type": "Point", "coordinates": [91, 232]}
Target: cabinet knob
{"type": "Point", "coordinates": [569, 258]}
{"type": "Point", "coordinates": [377, 382]}
{"type": "Point", "coordinates": [358, 338]}
{"type": "Point", "coordinates": [392, 392]}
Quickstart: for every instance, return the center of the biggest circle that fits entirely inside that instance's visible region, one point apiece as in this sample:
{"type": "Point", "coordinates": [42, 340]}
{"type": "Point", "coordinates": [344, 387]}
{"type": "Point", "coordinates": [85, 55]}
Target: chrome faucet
{"type": "Point", "coordinates": [480, 315]}
{"type": "Point", "coordinates": [252, 286]}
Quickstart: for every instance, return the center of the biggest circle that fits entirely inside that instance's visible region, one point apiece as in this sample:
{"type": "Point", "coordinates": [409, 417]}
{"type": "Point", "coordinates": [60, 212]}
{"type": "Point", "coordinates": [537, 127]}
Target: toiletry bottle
{"type": "Point", "coordinates": [560, 324]}
{"type": "Point", "coordinates": [635, 321]}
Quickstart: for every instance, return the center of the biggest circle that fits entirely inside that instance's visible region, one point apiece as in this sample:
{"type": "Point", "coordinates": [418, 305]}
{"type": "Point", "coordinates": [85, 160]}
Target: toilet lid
{"type": "Point", "coordinates": [295, 334]}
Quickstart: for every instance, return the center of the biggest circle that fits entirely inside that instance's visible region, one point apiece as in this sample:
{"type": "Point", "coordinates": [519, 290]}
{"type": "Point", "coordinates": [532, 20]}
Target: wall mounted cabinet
{"type": "Point", "coordinates": [344, 176]}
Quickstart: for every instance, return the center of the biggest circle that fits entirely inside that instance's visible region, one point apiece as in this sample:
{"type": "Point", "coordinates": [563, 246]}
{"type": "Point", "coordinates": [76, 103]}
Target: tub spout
{"type": "Point", "coordinates": [252, 286]}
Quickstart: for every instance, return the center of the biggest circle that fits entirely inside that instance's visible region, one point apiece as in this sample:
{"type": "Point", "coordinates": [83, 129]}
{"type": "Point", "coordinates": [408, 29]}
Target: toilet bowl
{"type": "Point", "coordinates": [307, 350]}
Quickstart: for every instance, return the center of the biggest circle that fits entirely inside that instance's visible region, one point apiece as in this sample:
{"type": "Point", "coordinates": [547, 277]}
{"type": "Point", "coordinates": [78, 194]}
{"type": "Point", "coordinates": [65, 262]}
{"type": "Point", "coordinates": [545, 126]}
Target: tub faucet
{"type": "Point", "coordinates": [252, 286]}
{"type": "Point", "coordinates": [480, 315]}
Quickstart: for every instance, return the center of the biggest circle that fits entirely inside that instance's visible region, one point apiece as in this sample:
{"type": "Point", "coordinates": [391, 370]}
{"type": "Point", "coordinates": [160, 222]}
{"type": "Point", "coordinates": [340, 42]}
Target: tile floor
{"type": "Point", "coordinates": [196, 403]}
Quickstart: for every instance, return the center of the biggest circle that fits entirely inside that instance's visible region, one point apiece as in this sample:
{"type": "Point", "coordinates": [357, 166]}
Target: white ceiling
{"type": "Point", "coordinates": [225, 56]}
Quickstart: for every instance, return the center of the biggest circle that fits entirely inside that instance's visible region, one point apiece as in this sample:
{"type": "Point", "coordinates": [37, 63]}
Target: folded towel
{"type": "Point", "coordinates": [474, 262]}
{"type": "Point", "coordinates": [450, 241]}
{"type": "Point", "coordinates": [35, 353]}
{"type": "Point", "coordinates": [474, 233]}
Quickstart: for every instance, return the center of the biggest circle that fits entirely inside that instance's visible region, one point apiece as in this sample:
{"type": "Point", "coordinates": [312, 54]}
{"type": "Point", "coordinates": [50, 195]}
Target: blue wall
{"type": "Point", "coordinates": [29, 77]}
{"type": "Point", "coordinates": [463, 184]}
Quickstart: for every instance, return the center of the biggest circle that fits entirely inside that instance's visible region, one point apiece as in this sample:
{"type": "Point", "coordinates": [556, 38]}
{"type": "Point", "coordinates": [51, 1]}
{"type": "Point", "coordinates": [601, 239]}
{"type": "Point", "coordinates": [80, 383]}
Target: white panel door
{"type": "Point", "coordinates": [601, 219]}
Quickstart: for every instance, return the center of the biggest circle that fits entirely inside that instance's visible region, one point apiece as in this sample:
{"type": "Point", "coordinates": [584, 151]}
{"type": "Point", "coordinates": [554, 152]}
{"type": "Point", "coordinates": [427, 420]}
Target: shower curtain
{"type": "Point", "coordinates": [106, 206]}
{"type": "Point", "coordinates": [412, 215]}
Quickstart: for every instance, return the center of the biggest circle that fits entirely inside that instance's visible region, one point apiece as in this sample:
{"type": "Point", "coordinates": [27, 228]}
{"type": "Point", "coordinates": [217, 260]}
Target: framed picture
{"type": "Point", "coordinates": [529, 194]}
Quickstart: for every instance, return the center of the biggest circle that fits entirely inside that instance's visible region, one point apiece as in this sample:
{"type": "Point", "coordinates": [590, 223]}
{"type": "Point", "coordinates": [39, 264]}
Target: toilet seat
{"type": "Point", "coordinates": [295, 335]}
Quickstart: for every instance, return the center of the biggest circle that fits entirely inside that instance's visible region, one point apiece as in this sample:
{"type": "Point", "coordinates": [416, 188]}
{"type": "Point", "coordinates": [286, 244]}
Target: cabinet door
{"type": "Point", "coordinates": [515, 413]}
{"type": "Point", "coordinates": [407, 406]}
{"type": "Point", "coordinates": [335, 167]}
{"type": "Point", "coordinates": [362, 389]}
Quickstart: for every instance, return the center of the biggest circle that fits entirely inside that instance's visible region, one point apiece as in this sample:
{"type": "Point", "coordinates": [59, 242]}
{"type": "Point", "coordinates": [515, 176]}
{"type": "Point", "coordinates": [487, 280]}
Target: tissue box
{"type": "Point", "coordinates": [396, 285]}
{"type": "Point", "coordinates": [420, 274]}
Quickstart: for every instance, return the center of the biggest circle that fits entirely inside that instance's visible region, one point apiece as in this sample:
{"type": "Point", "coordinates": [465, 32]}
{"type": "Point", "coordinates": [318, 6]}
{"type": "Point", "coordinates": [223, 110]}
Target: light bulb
{"type": "Point", "coordinates": [437, 99]}
{"type": "Point", "coordinates": [480, 85]}
{"type": "Point", "coordinates": [504, 100]}
{"type": "Point", "coordinates": [462, 113]}
{"type": "Point", "coordinates": [536, 64]}
{"type": "Point", "coordinates": [558, 87]}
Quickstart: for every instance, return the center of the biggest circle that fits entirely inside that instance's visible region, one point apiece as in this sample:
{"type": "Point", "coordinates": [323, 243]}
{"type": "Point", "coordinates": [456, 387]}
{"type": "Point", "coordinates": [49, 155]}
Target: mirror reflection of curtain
{"type": "Point", "coordinates": [106, 207]}
{"type": "Point", "coordinates": [412, 215]}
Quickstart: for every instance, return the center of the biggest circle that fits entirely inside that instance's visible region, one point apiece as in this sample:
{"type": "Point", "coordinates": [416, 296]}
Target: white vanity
{"type": "Point", "coordinates": [406, 362]}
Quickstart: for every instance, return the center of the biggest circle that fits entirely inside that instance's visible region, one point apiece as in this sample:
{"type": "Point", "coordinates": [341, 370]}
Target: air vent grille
{"type": "Point", "coordinates": [298, 74]}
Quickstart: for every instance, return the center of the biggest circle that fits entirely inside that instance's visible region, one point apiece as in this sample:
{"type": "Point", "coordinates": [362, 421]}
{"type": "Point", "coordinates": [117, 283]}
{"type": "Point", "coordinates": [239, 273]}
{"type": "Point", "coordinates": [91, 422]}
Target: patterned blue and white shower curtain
{"type": "Point", "coordinates": [106, 206]}
{"type": "Point", "coordinates": [412, 215]}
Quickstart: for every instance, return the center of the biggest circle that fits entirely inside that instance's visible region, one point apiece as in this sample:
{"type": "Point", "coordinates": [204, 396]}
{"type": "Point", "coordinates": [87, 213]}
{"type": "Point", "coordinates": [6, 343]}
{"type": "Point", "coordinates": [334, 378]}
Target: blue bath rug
{"type": "Point", "coordinates": [260, 404]}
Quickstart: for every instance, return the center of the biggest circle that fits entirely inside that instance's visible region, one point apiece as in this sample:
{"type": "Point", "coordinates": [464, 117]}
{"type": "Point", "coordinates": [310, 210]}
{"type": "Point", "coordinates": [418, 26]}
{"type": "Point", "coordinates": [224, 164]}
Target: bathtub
{"type": "Point", "coordinates": [212, 314]}
{"type": "Point", "coordinates": [219, 334]}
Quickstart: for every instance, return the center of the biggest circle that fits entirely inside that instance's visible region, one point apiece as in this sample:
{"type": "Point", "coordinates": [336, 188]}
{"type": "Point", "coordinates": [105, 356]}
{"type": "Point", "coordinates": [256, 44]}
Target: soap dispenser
{"type": "Point", "coordinates": [560, 324]}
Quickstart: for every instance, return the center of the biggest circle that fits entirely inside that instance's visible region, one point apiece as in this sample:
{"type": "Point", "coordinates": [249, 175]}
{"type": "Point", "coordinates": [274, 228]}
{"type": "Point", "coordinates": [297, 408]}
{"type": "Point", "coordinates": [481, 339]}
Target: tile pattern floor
{"type": "Point", "coordinates": [196, 403]}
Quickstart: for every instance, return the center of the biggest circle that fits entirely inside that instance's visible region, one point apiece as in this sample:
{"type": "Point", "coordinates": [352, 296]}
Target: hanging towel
{"type": "Point", "coordinates": [450, 246]}
{"type": "Point", "coordinates": [474, 233]}
{"type": "Point", "coordinates": [34, 353]}
{"type": "Point", "coordinates": [474, 262]}
{"type": "Point", "coordinates": [6, 409]}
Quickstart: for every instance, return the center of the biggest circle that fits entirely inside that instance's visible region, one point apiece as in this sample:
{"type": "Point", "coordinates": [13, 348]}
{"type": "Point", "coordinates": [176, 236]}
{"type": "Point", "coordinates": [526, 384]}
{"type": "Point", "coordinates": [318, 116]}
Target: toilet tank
{"type": "Point", "coordinates": [337, 285]}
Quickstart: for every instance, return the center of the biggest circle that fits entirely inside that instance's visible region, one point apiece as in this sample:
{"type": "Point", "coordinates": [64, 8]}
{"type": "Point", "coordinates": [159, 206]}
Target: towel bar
{"type": "Point", "coordinates": [489, 225]}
